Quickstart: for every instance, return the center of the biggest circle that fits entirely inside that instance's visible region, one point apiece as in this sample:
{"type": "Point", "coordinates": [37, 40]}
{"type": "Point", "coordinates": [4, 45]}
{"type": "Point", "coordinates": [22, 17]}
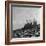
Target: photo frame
{"type": "Point", "coordinates": [24, 22]}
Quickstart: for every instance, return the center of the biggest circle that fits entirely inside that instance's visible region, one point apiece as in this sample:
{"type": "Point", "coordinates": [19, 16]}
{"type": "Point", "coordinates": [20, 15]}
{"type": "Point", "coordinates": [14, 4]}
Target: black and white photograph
{"type": "Point", "coordinates": [26, 22]}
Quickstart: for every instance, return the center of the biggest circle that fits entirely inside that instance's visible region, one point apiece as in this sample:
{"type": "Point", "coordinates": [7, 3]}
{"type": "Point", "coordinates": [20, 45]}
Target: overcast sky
{"type": "Point", "coordinates": [21, 14]}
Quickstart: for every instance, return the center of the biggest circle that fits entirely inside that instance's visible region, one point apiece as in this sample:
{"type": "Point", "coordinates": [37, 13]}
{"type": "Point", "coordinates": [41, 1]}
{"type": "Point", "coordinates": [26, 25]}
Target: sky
{"type": "Point", "coordinates": [21, 14]}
